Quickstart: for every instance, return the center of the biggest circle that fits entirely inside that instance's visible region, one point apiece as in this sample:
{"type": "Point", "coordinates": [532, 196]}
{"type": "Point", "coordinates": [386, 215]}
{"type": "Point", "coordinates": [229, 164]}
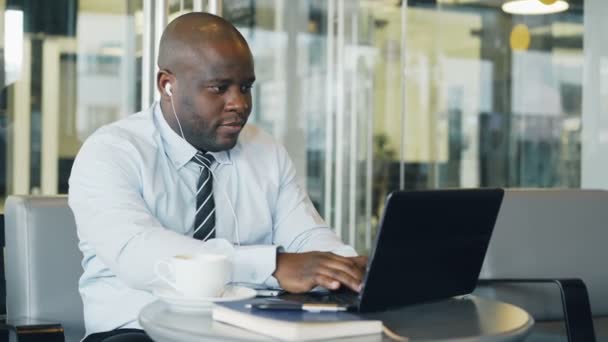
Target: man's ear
{"type": "Point", "coordinates": [164, 81]}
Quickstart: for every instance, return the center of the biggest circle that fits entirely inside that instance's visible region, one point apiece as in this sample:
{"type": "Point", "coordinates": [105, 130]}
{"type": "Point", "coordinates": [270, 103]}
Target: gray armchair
{"type": "Point", "coordinates": [548, 250]}
{"type": "Point", "coordinates": [42, 269]}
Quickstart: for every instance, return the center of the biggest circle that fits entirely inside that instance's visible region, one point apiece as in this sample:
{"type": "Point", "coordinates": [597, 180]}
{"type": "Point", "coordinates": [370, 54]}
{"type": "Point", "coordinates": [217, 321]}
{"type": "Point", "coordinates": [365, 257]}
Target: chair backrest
{"type": "Point", "coordinates": [552, 234]}
{"type": "Point", "coordinates": [43, 262]}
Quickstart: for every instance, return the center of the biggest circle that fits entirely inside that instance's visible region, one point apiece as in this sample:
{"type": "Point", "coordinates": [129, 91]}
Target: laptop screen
{"type": "Point", "coordinates": [430, 246]}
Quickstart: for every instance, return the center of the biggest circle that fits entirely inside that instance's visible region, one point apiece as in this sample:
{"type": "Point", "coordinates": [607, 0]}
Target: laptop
{"type": "Point", "coordinates": [430, 246]}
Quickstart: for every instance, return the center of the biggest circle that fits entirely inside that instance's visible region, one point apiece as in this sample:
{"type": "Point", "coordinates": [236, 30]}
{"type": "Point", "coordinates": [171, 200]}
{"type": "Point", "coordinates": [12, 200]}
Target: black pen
{"type": "Point", "coordinates": [297, 307]}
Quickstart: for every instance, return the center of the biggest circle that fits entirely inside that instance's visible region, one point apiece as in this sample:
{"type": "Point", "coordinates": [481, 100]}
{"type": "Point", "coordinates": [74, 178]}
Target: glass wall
{"type": "Point", "coordinates": [316, 65]}
{"type": "Point", "coordinates": [525, 121]}
{"type": "Point", "coordinates": [375, 96]}
{"type": "Point", "coordinates": [595, 97]}
{"type": "Point", "coordinates": [70, 67]}
{"type": "Point", "coordinates": [368, 96]}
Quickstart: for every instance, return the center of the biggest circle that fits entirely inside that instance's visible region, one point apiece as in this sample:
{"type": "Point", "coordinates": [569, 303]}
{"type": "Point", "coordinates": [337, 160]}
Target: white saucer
{"type": "Point", "coordinates": [179, 303]}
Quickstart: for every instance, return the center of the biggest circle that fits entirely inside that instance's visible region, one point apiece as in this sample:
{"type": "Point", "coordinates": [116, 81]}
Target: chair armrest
{"type": "Point", "coordinates": [25, 329]}
{"type": "Point", "coordinates": [575, 304]}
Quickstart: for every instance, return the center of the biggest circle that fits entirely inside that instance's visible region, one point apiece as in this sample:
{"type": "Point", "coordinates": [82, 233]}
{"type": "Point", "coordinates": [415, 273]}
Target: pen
{"type": "Point", "coordinates": [297, 307]}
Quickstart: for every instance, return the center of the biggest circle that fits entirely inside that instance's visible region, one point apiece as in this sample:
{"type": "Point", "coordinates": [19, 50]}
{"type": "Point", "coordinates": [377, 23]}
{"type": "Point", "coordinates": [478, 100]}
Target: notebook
{"type": "Point", "coordinates": [430, 246]}
{"type": "Point", "coordinates": [294, 325]}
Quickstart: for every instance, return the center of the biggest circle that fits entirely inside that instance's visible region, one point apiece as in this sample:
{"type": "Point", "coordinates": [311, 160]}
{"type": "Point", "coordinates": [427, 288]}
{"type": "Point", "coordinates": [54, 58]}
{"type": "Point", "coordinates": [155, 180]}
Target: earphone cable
{"type": "Point", "coordinates": [236, 221]}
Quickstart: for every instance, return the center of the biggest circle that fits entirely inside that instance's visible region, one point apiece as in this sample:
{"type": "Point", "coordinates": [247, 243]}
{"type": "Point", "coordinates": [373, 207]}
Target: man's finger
{"type": "Point", "coordinates": [327, 282]}
{"type": "Point", "coordinates": [361, 261]}
{"type": "Point", "coordinates": [342, 277]}
{"type": "Point", "coordinates": [345, 265]}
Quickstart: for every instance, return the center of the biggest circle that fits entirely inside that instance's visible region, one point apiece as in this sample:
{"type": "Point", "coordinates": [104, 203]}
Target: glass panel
{"type": "Point", "coordinates": [289, 61]}
{"type": "Point", "coordinates": [289, 43]}
{"type": "Point", "coordinates": [81, 69]}
{"type": "Point", "coordinates": [471, 96]}
{"type": "Point", "coordinates": [317, 65]}
{"type": "Point", "coordinates": [508, 95]}
{"type": "Point", "coordinates": [595, 105]}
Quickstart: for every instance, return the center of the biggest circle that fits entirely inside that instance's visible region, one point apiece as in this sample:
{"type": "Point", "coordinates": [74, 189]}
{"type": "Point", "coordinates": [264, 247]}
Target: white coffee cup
{"type": "Point", "coordinates": [196, 276]}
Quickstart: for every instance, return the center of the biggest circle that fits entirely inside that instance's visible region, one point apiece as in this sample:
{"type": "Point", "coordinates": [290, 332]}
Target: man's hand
{"type": "Point", "coordinates": [301, 272]}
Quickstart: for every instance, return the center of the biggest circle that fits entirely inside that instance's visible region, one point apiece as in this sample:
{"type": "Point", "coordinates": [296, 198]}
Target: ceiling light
{"type": "Point", "coordinates": [532, 7]}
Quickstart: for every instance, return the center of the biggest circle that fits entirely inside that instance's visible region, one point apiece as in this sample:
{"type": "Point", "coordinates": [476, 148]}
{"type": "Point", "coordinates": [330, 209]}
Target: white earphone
{"type": "Point", "coordinates": [236, 221]}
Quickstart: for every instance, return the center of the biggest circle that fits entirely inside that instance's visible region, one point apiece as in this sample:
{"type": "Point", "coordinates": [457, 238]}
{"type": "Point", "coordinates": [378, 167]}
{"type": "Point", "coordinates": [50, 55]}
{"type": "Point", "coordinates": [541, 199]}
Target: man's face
{"type": "Point", "coordinates": [214, 97]}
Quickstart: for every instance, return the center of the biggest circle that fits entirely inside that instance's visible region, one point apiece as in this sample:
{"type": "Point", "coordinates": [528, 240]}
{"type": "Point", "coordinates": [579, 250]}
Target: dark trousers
{"type": "Point", "coordinates": [119, 335]}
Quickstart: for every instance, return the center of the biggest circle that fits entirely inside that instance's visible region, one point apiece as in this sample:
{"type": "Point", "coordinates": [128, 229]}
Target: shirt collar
{"type": "Point", "coordinates": [179, 150]}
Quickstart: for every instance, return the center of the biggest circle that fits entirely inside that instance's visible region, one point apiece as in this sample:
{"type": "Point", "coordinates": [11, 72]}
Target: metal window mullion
{"type": "Point", "coordinates": [19, 136]}
{"type": "Point", "coordinates": [147, 55]}
{"type": "Point", "coordinates": [329, 106]}
{"type": "Point", "coordinates": [340, 120]}
{"type": "Point", "coordinates": [128, 66]}
{"type": "Point", "coordinates": [198, 5]}
{"type": "Point", "coordinates": [403, 94]}
{"type": "Point", "coordinates": [369, 163]}
{"type": "Point", "coordinates": [161, 14]}
{"type": "Point", "coordinates": [434, 117]}
{"type": "Point", "coordinates": [49, 146]}
{"type": "Point", "coordinates": [279, 53]}
{"type": "Point", "coordinates": [215, 7]}
{"type": "Point", "coordinates": [352, 206]}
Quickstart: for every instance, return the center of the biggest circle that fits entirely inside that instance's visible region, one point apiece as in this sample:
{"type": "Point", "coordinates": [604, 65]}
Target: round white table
{"type": "Point", "coordinates": [467, 318]}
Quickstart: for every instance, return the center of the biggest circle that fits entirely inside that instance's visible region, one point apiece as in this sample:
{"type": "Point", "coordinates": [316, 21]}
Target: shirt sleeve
{"type": "Point", "coordinates": [298, 227]}
{"type": "Point", "coordinates": [112, 217]}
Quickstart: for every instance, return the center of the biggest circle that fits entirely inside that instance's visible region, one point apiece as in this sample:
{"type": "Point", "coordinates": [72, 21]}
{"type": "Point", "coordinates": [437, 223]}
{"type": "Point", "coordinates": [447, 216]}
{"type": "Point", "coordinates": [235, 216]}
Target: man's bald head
{"type": "Point", "coordinates": [187, 34]}
{"type": "Point", "coordinates": [208, 68]}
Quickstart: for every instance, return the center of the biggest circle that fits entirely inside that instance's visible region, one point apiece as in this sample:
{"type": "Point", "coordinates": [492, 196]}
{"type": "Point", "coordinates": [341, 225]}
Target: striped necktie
{"type": "Point", "coordinates": [204, 222]}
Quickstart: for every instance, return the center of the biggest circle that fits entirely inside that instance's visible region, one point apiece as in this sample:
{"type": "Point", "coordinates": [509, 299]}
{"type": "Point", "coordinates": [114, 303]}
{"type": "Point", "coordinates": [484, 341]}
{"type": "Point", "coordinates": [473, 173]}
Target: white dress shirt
{"type": "Point", "coordinates": [132, 191]}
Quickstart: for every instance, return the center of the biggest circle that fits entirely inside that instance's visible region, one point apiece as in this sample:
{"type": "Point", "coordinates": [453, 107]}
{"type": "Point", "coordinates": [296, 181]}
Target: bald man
{"type": "Point", "coordinates": [140, 193]}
